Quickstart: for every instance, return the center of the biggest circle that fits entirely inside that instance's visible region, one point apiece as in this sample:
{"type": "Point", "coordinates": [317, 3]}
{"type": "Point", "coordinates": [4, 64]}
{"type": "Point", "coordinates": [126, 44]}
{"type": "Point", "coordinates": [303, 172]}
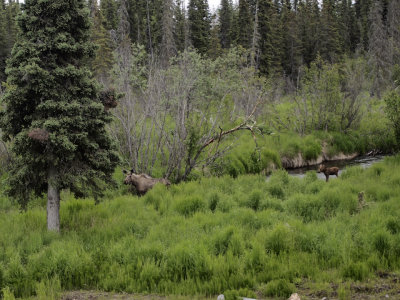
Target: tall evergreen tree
{"type": "Point", "coordinates": [363, 8]}
{"type": "Point", "coordinates": [291, 44]}
{"type": "Point", "coordinates": [348, 29]}
{"type": "Point", "coordinates": [109, 14]}
{"type": "Point", "coordinates": [8, 31]}
{"type": "Point", "coordinates": [270, 42]}
{"type": "Point", "coordinates": [378, 50]}
{"type": "Point", "coordinates": [245, 24]}
{"type": "Point", "coordinates": [330, 42]}
{"type": "Point", "coordinates": [309, 24]}
{"type": "Point", "coordinates": [226, 23]}
{"type": "Point", "coordinates": [199, 25]}
{"type": "Point", "coordinates": [103, 61]}
{"type": "Point", "coordinates": [53, 113]}
{"type": "Point", "coordinates": [168, 47]}
{"type": "Point", "coordinates": [181, 27]}
{"type": "Point", "coordinates": [394, 30]}
{"type": "Point", "coordinates": [3, 41]}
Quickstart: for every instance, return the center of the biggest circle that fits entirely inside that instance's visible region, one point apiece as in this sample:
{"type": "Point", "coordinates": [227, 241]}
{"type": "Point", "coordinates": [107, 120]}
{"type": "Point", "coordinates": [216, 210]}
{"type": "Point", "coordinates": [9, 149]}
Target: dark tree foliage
{"type": "Point", "coordinates": [226, 23]}
{"type": "Point", "coordinates": [8, 32]}
{"type": "Point", "coordinates": [180, 32]}
{"type": "Point", "coordinates": [363, 8]}
{"type": "Point", "coordinates": [245, 24]}
{"type": "Point", "coordinates": [53, 113]}
{"type": "Point", "coordinates": [309, 28]}
{"type": "Point", "coordinates": [270, 42]}
{"type": "Point", "coordinates": [109, 13]}
{"type": "Point", "coordinates": [329, 46]}
{"type": "Point", "coordinates": [199, 25]}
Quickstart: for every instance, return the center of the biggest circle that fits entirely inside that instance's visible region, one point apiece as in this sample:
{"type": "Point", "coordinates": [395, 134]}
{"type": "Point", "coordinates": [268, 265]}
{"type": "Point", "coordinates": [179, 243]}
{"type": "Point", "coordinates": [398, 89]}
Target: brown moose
{"type": "Point", "coordinates": [328, 171]}
{"type": "Point", "coordinates": [143, 182]}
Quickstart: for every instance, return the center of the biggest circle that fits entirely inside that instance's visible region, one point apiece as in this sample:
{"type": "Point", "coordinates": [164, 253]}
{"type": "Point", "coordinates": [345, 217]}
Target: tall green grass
{"type": "Point", "coordinates": [238, 236]}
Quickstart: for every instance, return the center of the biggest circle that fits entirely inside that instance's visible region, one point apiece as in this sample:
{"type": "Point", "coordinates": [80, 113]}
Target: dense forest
{"type": "Point", "coordinates": [281, 37]}
{"type": "Point", "coordinates": [265, 66]}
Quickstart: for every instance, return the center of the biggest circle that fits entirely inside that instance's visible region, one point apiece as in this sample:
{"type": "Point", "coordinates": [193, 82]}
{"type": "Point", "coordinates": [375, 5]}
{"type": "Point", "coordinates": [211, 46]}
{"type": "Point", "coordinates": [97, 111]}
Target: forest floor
{"type": "Point", "coordinates": [386, 286]}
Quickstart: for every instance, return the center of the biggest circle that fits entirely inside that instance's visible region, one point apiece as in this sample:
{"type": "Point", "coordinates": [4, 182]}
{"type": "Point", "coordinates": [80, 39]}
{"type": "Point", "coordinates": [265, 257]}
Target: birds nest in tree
{"type": "Point", "coordinates": [38, 134]}
{"type": "Point", "coordinates": [108, 98]}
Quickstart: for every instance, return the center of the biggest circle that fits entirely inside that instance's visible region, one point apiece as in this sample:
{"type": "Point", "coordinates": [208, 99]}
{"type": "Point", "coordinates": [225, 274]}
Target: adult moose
{"type": "Point", "coordinates": [328, 171]}
{"type": "Point", "coordinates": [143, 182]}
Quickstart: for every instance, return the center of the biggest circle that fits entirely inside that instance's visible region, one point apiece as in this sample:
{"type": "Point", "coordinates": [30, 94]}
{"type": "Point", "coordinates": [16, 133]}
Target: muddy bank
{"type": "Point", "coordinates": [300, 162]}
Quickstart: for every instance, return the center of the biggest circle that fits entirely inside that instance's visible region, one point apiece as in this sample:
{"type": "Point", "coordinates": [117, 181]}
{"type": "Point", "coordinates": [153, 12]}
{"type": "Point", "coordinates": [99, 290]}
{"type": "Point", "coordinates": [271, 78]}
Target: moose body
{"type": "Point", "coordinates": [143, 182]}
{"type": "Point", "coordinates": [328, 171]}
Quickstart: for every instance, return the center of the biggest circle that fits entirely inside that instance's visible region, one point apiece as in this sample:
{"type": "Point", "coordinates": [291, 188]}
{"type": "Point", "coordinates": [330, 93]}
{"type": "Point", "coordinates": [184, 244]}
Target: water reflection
{"type": "Point", "coordinates": [362, 161]}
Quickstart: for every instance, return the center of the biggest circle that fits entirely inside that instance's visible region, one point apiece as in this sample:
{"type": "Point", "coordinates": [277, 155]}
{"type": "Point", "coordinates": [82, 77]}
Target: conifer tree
{"type": "Point", "coordinates": [168, 47]}
{"type": "Point", "coordinates": [394, 31]}
{"type": "Point", "coordinates": [109, 11]}
{"type": "Point", "coordinates": [363, 8]}
{"type": "Point", "coordinates": [103, 61]}
{"type": "Point", "coordinates": [199, 25]}
{"type": "Point", "coordinates": [53, 113]}
{"type": "Point", "coordinates": [378, 50]}
{"type": "Point", "coordinates": [245, 23]}
{"type": "Point", "coordinates": [8, 31]}
{"type": "Point", "coordinates": [270, 42]}
{"type": "Point", "coordinates": [225, 23]}
{"type": "Point", "coordinates": [291, 44]}
{"type": "Point", "coordinates": [181, 26]}
{"type": "Point", "coordinates": [309, 17]}
{"type": "Point", "coordinates": [3, 41]}
{"type": "Point", "coordinates": [330, 43]}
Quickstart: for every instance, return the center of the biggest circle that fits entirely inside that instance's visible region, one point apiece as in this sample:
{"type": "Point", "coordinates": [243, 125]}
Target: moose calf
{"type": "Point", "coordinates": [143, 182]}
{"type": "Point", "coordinates": [328, 171]}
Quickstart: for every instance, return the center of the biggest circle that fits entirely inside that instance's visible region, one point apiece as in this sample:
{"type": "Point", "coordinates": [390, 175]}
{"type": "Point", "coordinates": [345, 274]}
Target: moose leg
{"type": "Point", "coordinates": [327, 177]}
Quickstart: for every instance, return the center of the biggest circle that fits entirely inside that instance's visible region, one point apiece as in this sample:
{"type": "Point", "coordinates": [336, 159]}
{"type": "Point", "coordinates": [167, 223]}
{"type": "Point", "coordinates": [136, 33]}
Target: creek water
{"type": "Point", "coordinates": [362, 161]}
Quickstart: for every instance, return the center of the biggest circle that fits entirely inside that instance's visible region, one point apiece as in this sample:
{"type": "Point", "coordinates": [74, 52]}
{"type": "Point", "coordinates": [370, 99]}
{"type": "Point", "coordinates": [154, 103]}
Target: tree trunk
{"type": "Point", "coordinates": [53, 202]}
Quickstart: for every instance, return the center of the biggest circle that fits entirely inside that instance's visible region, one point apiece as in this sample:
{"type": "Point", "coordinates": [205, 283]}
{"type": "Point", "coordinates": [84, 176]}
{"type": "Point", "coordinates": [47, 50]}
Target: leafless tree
{"type": "Point", "coordinates": [172, 121]}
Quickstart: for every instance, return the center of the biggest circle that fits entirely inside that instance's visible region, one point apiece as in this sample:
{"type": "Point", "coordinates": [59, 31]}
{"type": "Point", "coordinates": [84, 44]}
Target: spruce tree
{"type": "Point", "coordinates": [109, 11]}
{"type": "Point", "coordinates": [3, 41]}
{"type": "Point", "coordinates": [103, 61]}
{"type": "Point", "coordinates": [168, 46]}
{"type": "Point", "coordinates": [378, 50]}
{"type": "Point", "coordinates": [226, 23]}
{"type": "Point", "coordinates": [53, 113]}
{"type": "Point", "coordinates": [181, 26]}
{"type": "Point", "coordinates": [199, 25]}
{"type": "Point", "coordinates": [330, 40]}
{"type": "Point", "coordinates": [245, 24]}
{"type": "Point", "coordinates": [309, 17]}
{"type": "Point", "coordinates": [270, 42]}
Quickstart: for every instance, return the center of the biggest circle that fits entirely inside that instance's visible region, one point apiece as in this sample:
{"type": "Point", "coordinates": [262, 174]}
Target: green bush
{"type": "Point", "coordinates": [189, 205]}
{"type": "Point", "coordinates": [278, 288]}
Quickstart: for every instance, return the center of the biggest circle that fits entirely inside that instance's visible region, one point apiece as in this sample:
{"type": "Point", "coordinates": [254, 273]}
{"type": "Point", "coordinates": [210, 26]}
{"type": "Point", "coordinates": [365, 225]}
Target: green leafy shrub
{"type": "Point", "coordinates": [278, 240]}
{"type": "Point", "coordinates": [278, 288]}
{"type": "Point", "coordinates": [189, 205]}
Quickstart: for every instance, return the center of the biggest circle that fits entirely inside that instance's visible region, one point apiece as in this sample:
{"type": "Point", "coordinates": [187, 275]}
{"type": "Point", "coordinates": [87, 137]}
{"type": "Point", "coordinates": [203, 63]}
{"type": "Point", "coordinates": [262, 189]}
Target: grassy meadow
{"type": "Point", "coordinates": [246, 236]}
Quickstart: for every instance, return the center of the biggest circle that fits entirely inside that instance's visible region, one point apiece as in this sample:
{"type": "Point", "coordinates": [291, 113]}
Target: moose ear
{"type": "Point", "coordinates": [124, 171]}
{"type": "Point", "coordinates": [131, 170]}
